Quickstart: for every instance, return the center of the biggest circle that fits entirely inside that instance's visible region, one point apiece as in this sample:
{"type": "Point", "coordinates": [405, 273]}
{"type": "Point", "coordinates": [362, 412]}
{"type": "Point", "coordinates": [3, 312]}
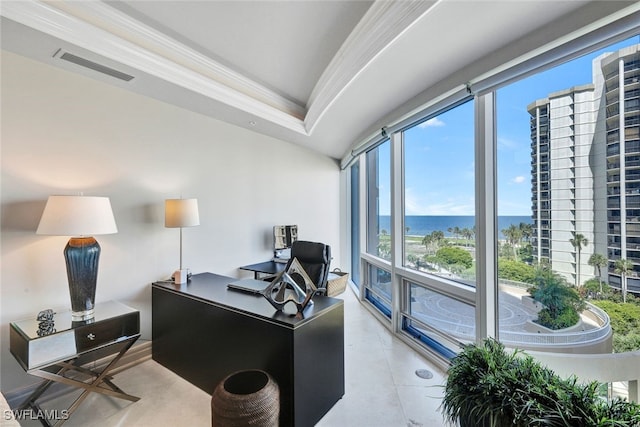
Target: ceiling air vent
{"type": "Point", "coordinates": [92, 65]}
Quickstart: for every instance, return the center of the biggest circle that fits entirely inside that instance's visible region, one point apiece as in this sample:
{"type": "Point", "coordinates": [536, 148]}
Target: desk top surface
{"type": "Point", "coordinates": [268, 267]}
{"type": "Point", "coordinates": [212, 288]}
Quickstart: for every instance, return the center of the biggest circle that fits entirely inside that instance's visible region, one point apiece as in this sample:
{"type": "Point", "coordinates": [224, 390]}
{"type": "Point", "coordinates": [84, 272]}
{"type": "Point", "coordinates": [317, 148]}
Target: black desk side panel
{"type": "Point", "coordinates": [319, 367]}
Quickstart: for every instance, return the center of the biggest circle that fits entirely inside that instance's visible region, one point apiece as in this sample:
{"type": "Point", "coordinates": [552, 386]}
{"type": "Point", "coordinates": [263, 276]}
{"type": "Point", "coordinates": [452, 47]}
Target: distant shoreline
{"type": "Point", "coordinates": [422, 225]}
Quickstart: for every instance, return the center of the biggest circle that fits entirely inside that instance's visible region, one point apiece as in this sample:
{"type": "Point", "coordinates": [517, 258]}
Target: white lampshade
{"type": "Point", "coordinates": [77, 216]}
{"type": "Point", "coordinates": [181, 213]}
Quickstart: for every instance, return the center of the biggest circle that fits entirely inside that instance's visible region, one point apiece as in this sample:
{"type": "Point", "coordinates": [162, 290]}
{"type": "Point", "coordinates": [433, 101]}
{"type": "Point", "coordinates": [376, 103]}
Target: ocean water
{"type": "Point", "coordinates": [421, 225]}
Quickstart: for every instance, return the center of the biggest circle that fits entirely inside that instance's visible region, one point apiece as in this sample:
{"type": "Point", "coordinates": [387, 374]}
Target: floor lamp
{"type": "Point", "coordinates": [80, 217]}
{"type": "Point", "coordinates": [180, 213]}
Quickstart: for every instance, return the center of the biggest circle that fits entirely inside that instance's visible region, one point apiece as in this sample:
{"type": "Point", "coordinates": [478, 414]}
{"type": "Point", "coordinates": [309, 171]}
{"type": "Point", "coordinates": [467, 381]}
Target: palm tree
{"type": "Point", "coordinates": [513, 235]}
{"type": "Point", "coordinates": [433, 241]}
{"type": "Point", "coordinates": [623, 267]}
{"type": "Point", "coordinates": [578, 242]}
{"type": "Point", "coordinates": [598, 261]}
{"type": "Point", "coordinates": [455, 231]}
{"type": "Point", "coordinates": [467, 234]}
{"type": "Point", "coordinates": [552, 290]}
{"type": "Point", "coordinates": [527, 230]}
{"type": "Point", "coordinates": [426, 241]}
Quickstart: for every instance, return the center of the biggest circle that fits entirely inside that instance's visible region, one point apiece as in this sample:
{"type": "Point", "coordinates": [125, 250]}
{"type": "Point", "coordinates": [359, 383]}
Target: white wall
{"type": "Point", "coordinates": [62, 133]}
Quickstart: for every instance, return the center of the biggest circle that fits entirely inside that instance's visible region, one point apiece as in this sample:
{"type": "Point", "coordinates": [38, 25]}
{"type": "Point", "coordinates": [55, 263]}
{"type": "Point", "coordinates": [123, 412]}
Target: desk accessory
{"type": "Point", "coordinates": [283, 238]}
{"type": "Point", "coordinates": [180, 213]}
{"type": "Point", "coordinates": [46, 323]}
{"type": "Point", "coordinates": [81, 217]}
{"type": "Point", "coordinates": [251, 286]}
{"type": "Point", "coordinates": [291, 285]}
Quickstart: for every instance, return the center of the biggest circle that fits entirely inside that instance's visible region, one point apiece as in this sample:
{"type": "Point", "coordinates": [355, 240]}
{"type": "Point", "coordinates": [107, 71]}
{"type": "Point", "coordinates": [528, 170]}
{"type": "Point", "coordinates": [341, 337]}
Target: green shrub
{"type": "Point", "coordinates": [452, 255]}
{"type": "Point", "coordinates": [561, 302]}
{"type": "Point", "coordinates": [625, 323]}
{"type": "Point", "coordinates": [625, 318]}
{"type": "Point", "coordinates": [566, 318]}
{"type": "Point", "coordinates": [592, 285]}
{"type": "Point", "coordinates": [619, 411]}
{"type": "Point", "coordinates": [525, 253]}
{"type": "Point", "coordinates": [628, 342]}
{"type": "Point", "coordinates": [486, 386]}
{"type": "Point", "coordinates": [515, 270]}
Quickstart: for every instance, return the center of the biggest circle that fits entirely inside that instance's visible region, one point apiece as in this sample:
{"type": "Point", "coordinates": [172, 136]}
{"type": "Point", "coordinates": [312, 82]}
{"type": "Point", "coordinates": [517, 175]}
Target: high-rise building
{"type": "Point", "coordinates": [620, 111]}
{"type": "Point", "coordinates": [562, 128]}
{"type": "Point", "coordinates": [585, 154]}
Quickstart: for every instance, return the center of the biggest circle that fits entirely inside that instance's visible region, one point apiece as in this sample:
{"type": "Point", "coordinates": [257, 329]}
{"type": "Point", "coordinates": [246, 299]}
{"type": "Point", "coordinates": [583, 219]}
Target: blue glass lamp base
{"type": "Point", "coordinates": [82, 255]}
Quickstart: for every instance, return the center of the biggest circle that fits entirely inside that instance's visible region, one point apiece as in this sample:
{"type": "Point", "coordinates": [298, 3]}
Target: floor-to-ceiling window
{"type": "Point", "coordinates": [562, 173]}
{"type": "Point", "coordinates": [355, 223]}
{"type": "Point", "coordinates": [567, 161]}
{"type": "Point", "coordinates": [439, 229]}
{"type": "Point", "coordinates": [439, 196]}
{"type": "Point", "coordinates": [378, 287]}
{"type": "Point", "coordinates": [564, 157]}
{"type": "Point", "coordinates": [378, 194]}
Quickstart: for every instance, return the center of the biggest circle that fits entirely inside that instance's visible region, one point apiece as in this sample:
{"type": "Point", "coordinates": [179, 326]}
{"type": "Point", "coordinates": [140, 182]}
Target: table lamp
{"type": "Point", "coordinates": [80, 218]}
{"type": "Point", "coordinates": [180, 213]}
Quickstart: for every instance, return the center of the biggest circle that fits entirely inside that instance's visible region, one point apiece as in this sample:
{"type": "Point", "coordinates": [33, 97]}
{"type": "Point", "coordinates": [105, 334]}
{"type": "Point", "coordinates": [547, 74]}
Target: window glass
{"type": "Point", "coordinates": [439, 203]}
{"type": "Point", "coordinates": [379, 201]}
{"type": "Point", "coordinates": [568, 179]}
{"type": "Point", "coordinates": [439, 321]}
{"type": "Point", "coordinates": [355, 224]}
{"type": "Point", "coordinates": [378, 289]}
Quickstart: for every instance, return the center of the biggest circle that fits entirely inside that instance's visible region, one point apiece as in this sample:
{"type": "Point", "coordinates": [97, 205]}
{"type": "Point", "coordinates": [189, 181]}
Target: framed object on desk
{"type": "Point", "coordinates": [283, 238]}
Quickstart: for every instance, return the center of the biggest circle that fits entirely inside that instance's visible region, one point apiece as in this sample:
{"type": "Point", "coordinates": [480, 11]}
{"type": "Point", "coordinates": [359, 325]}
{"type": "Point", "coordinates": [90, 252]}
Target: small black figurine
{"type": "Point", "coordinates": [47, 324]}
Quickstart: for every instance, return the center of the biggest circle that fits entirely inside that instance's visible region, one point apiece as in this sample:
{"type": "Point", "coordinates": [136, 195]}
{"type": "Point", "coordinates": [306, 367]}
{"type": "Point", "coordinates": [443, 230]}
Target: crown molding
{"type": "Point", "coordinates": [103, 30]}
{"type": "Point", "coordinates": [384, 22]}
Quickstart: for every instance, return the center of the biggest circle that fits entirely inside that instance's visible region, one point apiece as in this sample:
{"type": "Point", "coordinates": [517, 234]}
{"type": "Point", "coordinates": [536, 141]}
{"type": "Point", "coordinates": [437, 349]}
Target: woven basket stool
{"type": "Point", "coordinates": [246, 398]}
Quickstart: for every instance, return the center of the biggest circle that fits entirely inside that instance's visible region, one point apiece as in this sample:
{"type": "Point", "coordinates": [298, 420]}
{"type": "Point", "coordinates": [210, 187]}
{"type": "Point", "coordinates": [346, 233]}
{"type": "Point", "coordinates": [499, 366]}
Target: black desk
{"type": "Point", "coordinates": [203, 332]}
{"type": "Point", "coordinates": [267, 268]}
{"type": "Point", "coordinates": [68, 345]}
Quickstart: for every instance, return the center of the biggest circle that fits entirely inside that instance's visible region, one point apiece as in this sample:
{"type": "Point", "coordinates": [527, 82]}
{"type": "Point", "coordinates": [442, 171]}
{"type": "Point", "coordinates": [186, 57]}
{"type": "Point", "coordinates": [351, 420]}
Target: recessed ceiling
{"type": "Point", "coordinates": [283, 45]}
{"type": "Point", "coordinates": [322, 74]}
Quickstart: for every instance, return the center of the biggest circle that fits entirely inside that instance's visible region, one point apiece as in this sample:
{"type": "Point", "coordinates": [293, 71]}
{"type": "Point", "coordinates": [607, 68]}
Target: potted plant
{"type": "Point", "coordinates": [488, 386]}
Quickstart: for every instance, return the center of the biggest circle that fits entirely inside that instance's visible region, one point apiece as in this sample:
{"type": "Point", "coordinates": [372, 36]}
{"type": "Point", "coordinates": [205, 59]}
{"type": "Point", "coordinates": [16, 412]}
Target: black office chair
{"type": "Point", "coordinates": [315, 259]}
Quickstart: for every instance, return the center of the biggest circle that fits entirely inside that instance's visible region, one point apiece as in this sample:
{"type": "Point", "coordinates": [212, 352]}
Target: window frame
{"type": "Point", "coordinates": [483, 92]}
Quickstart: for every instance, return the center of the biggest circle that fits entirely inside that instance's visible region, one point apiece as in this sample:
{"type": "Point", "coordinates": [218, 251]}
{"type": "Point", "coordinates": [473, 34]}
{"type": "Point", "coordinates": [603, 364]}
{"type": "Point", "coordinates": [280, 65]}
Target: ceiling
{"type": "Point", "coordinates": [322, 74]}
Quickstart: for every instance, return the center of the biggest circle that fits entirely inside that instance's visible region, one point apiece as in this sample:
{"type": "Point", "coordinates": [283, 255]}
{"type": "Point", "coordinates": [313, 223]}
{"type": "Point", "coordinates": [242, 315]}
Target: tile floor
{"type": "Point", "coordinates": [381, 388]}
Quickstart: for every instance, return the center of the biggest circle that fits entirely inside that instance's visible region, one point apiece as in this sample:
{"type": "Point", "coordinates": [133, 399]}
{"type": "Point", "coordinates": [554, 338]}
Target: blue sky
{"type": "Point", "coordinates": [439, 153]}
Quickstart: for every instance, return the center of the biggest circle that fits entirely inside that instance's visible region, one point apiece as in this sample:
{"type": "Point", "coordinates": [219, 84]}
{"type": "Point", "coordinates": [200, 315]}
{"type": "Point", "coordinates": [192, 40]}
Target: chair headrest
{"type": "Point", "coordinates": [311, 251]}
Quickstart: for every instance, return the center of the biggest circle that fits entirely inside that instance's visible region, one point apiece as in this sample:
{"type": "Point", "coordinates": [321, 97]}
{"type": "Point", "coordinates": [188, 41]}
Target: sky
{"type": "Point", "coordinates": [439, 153]}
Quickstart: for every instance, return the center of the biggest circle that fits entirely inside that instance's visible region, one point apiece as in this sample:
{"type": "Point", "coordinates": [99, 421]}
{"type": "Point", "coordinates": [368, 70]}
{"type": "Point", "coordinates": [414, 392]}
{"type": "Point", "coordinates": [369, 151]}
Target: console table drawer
{"type": "Point", "coordinates": [96, 334]}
